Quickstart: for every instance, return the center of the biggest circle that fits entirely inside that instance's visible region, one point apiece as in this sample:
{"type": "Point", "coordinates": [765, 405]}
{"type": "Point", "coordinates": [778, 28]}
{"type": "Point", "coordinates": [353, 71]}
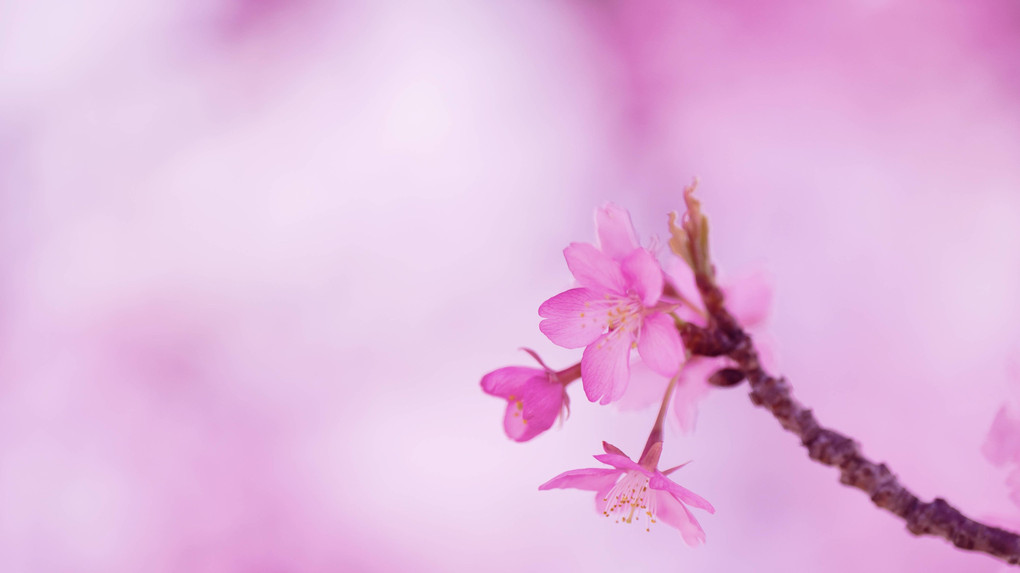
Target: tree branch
{"type": "Point", "coordinates": [724, 336]}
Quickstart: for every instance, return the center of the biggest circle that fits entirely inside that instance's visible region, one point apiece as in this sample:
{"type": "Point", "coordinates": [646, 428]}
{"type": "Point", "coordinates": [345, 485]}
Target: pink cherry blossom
{"type": "Point", "coordinates": [616, 309]}
{"type": "Point", "coordinates": [629, 491]}
{"type": "Point", "coordinates": [535, 397]}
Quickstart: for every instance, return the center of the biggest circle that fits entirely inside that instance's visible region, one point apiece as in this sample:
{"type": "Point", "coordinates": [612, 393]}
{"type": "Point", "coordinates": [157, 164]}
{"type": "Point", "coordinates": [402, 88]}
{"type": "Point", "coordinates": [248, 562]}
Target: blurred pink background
{"type": "Point", "coordinates": [255, 256]}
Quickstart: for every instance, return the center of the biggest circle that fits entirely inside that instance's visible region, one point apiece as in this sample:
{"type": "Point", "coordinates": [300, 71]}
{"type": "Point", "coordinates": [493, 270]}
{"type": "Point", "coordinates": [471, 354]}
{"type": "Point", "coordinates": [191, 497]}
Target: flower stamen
{"type": "Point", "coordinates": [630, 497]}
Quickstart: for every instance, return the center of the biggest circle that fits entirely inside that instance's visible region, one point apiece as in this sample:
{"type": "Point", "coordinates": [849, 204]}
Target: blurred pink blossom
{"type": "Point", "coordinates": [749, 299]}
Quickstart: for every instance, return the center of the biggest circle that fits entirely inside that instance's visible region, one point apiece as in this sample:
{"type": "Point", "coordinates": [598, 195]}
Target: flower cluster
{"type": "Point", "coordinates": [628, 297]}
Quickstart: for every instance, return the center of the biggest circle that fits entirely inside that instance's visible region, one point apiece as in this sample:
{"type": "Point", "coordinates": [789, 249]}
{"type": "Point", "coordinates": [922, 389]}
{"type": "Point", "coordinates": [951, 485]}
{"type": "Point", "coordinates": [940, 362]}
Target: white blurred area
{"type": "Point", "coordinates": [256, 255]}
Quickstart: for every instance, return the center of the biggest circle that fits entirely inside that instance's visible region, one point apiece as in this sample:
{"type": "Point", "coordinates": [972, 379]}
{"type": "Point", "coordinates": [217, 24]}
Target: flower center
{"type": "Point", "coordinates": [630, 499]}
{"type": "Point", "coordinates": [626, 313]}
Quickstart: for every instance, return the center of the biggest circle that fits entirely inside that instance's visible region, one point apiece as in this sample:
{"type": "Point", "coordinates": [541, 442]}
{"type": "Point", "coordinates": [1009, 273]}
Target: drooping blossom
{"type": "Point", "coordinates": [535, 397]}
{"type": "Point", "coordinates": [616, 308]}
{"type": "Point", "coordinates": [629, 491]}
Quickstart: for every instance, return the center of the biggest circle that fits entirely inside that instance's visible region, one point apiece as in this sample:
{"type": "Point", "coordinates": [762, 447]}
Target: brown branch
{"type": "Point", "coordinates": [725, 336]}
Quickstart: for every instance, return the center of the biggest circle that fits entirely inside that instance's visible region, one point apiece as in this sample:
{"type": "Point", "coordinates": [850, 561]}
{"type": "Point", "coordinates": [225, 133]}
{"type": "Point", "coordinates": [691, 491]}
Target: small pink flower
{"type": "Point", "coordinates": [615, 231]}
{"type": "Point", "coordinates": [535, 397]}
{"type": "Point", "coordinates": [631, 491]}
{"type": "Point", "coordinates": [616, 309]}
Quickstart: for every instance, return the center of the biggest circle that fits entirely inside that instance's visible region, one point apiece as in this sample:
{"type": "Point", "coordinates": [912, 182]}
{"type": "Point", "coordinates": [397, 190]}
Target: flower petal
{"type": "Point", "coordinates": [602, 496]}
{"type": "Point", "coordinates": [605, 366]}
{"type": "Point", "coordinates": [674, 468]}
{"type": "Point", "coordinates": [615, 231]}
{"type": "Point", "coordinates": [594, 269]}
{"type": "Point", "coordinates": [574, 318]}
{"type": "Point", "coordinates": [643, 275]}
{"type": "Point", "coordinates": [593, 479]}
{"type": "Point", "coordinates": [1003, 442]}
{"type": "Point", "coordinates": [515, 426]}
{"type": "Point", "coordinates": [669, 510]}
{"type": "Point", "coordinates": [681, 278]}
{"type": "Point", "coordinates": [1013, 483]}
{"type": "Point", "coordinates": [620, 462]}
{"type": "Point", "coordinates": [646, 388]}
{"type": "Point", "coordinates": [543, 401]}
{"type": "Point", "coordinates": [663, 483]}
{"type": "Point", "coordinates": [510, 381]}
{"type": "Point", "coordinates": [659, 344]}
{"type": "Point", "coordinates": [749, 299]}
{"type": "Point", "coordinates": [520, 429]}
{"type": "Point", "coordinates": [692, 387]}
{"type": "Point", "coordinates": [611, 449]}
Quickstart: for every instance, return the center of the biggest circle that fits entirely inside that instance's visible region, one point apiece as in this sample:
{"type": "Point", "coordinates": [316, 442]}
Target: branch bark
{"type": "Point", "coordinates": [724, 336]}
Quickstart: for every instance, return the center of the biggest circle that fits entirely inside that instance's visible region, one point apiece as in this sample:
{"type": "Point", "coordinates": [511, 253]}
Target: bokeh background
{"type": "Point", "coordinates": [255, 256]}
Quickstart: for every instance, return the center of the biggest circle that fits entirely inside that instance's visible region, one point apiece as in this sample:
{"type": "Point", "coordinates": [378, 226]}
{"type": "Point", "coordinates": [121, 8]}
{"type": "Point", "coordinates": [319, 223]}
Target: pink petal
{"type": "Point", "coordinates": [620, 462]}
{"type": "Point", "coordinates": [1013, 483]}
{"type": "Point", "coordinates": [682, 279]}
{"type": "Point", "coordinates": [675, 514]}
{"type": "Point", "coordinates": [515, 426]}
{"type": "Point", "coordinates": [766, 351]}
{"type": "Point", "coordinates": [594, 269]}
{"type": "Point", "coordinates": [692, 387]}
{"type": "Point", "coordinates": [574, 318]}
{"type": "Point", "coordinates": [605, 366]}
{"type": "Point", "coordinates": [643, 275]}
{"type": "Point", "coordinates": [543, 401]}
{"type": "Point", "coordinates": [602, 496]}
{"type": "Point", "coordinates": [1003, 442]}
{"type": "Point", "coordinates": [615, 231]}
{"type": "Point", "coordinates": [611, 449]}
{"type": "Point", "coordinates": [659, 344]}
{"type": "Point", "coordinates": [749, 299]}
{"type": "Point", "coordinates": [593, 479]}
{"type": "Point", "coordinates": [1013, 479]}
{"type": "Point", "coordinates": [645, 388]}
{"type": "Point", "coordinates": [663, 483]}
{"type": "Point", "coordinates": [509, 381]}
{"type": "Point", "coordinates": [674, 468]}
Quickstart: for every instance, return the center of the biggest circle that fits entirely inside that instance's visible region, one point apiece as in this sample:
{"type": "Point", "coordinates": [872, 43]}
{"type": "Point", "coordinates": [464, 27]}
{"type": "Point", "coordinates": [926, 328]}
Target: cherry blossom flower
{"type": "Point", "coordinates": [630, 491]}
{"type": "Point", "coordinates": [616, 309]}
{"type": "Point", "coordinates": [535, 397]}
